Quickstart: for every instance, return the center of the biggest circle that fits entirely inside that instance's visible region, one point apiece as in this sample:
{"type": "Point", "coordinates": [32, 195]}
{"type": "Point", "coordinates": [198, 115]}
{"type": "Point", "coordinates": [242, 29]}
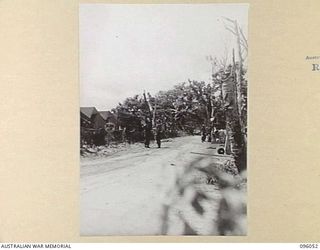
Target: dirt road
{"type": "Point", "coordinates": [123, 194]}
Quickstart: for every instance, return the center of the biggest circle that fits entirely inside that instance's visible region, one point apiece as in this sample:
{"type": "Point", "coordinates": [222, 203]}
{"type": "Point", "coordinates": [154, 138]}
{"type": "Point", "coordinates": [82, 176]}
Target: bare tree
{"type": "Point", "coordinates": [239, 145]}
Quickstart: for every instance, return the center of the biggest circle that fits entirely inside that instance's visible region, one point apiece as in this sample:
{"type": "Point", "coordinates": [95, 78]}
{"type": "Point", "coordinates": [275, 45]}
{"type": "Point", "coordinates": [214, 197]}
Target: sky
{"type": "Point", "coordinates": [128, 48]}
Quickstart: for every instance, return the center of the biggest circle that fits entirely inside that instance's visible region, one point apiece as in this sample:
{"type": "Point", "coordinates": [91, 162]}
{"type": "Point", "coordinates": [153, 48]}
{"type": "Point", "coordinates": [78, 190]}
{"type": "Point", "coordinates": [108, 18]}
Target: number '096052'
{"type": "Point", "coordinates": [312, 246]}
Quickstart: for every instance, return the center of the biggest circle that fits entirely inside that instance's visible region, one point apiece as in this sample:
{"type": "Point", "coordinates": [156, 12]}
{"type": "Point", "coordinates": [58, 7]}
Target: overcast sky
{"type": "Point", "coordinates": [125, 49]}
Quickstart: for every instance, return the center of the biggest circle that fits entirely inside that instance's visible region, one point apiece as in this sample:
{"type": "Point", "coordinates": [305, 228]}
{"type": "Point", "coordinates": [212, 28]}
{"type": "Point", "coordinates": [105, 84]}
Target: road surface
{"type": "Point", "coordinates": [123, 194]}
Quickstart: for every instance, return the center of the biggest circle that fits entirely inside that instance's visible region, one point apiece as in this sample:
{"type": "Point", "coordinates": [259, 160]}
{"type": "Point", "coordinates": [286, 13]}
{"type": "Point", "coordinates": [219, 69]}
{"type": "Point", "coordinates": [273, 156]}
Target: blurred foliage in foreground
{"type": "Point", "coordinates": [208, 198]}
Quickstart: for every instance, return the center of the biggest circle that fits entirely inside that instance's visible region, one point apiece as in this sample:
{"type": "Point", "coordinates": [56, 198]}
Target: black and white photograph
{"type": "Point", "coordinates": [163, 119]}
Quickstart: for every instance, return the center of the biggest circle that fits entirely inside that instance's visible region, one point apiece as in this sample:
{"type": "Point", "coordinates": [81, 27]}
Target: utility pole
{"type": "Point", "coordinates": [147, 103]}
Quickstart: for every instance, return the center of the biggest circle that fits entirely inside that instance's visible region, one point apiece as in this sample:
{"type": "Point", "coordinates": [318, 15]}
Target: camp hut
{"type": "Point", "coordinates": [109, 118]}
{"type": "Point", "coordinates": [92, 115]}
{"type": "Point", "coordinates": [92, 126]}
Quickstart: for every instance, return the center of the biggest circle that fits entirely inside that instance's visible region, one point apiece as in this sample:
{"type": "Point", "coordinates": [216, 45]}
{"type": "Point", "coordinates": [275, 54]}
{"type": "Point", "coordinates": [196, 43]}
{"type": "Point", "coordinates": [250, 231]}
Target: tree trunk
{"type": "Point", "coordinates": [233, 126]}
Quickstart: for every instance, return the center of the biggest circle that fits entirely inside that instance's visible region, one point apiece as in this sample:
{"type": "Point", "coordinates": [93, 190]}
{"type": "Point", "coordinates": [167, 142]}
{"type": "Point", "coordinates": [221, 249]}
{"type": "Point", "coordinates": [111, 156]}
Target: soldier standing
{"type": "Point", "coordinates": [204, 133]}
{"type": "Point", "coordinates": [147, 133]}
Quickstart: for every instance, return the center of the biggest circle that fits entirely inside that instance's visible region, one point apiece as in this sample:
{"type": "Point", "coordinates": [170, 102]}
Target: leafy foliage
{"type": "Point", "coordinates": [184, 108]}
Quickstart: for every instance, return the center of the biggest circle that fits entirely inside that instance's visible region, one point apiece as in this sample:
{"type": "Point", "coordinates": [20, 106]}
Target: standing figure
{"type": "Point", "coordinates": [214, 134]}
{"type": "Point", "coordinates": [147, 133]}
{"type": "Point", "coordinates": [210, 135]}
{"type": "Point", "coordinates": [204, 133]}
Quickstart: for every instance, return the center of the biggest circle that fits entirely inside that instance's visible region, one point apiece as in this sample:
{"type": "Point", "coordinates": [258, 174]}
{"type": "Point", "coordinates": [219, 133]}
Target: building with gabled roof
{"type": "Point", "coordinates": [91, 117]}
{"type": "Point", "coordinates": [108, 116]}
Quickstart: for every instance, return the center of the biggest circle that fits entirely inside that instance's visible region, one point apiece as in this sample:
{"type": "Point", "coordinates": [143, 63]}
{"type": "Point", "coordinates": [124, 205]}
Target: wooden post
{"type": "Point", "coordinates": [147, 103]}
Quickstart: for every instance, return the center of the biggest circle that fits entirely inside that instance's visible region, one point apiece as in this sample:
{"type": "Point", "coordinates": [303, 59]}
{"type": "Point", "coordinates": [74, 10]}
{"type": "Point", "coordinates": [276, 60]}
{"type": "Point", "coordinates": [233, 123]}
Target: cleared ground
{"type": "Point", "coordinates": [123, 194]}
